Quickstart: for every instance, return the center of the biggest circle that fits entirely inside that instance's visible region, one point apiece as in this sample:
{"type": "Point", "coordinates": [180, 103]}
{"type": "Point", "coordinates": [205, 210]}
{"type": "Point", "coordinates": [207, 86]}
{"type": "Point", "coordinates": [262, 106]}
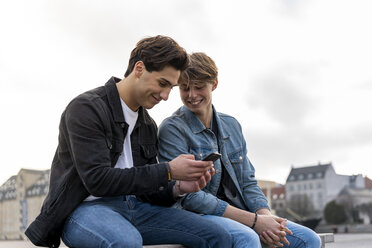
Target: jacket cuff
{"type": "Point", "coordinates": [162, 176]}
{"type": "Point", "coordinates": [220, 208]}
{"type": "Point", "coordinates": [258, 205]}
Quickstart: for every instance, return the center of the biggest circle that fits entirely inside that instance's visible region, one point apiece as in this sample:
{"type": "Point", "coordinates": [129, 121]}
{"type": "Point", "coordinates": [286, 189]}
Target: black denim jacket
{"type": "Point", "coordinates": [91, 137]}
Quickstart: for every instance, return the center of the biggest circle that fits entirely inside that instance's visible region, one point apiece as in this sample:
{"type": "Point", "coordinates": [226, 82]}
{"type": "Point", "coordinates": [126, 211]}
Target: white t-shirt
{"type": "Point", "coordinates": [126, 159]}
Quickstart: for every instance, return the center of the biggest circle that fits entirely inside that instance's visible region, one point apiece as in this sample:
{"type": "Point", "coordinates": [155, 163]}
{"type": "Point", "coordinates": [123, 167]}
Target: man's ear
{"type": "Point", "coordinates": [215, 85]}
{"type": "Point", "coordinates": [139, 68]}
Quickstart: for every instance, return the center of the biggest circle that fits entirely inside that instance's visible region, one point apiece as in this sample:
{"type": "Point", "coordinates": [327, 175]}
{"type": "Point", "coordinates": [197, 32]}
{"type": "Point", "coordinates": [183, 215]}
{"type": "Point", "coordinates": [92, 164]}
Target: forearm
{"type": "Point", "coordinates": [239, 215]}
{"type": "Point", "coordinates": [264, 211]}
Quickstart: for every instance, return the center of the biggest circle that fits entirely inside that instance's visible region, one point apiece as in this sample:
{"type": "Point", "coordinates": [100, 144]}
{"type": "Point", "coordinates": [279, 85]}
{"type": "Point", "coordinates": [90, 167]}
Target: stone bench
{"type": "Point", "coordinates": [324, 237]}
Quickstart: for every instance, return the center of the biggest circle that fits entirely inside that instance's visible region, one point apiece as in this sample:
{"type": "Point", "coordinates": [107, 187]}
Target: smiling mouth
{"type": "Point", "coordinates": [156, 99]}
{"type": "Point", "coordinates": [195, 102]}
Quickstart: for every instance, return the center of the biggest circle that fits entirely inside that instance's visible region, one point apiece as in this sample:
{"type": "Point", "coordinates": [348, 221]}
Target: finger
{"type": "Point", "coordinates": [202, 182]}
{"type": "Point", "coordinates": [212, 171]}
{"type": "Point", "coordinates": [278, 244]}
{"type": "Point", "coordinates": [197, 187]}
{"type": "Point", "coordinates": [285, 229]}
{"type": "Point", "coordinates": [279, 219]}
{"type": "Point", "coordinates": [280, 233]}
{"type": "Point", "coordinates": [201, 164]}
{"type": "Point", "coordinates": [207, 176]}
{"type": "Point", "coordinates": [274, 237]}
{"type": "Point", "coordinates": [188, 156]}
{"type": "Point", "coordinates": [263, 239]}
{"type": "Point", "coordinates": [285, 241]}
{"type": "Point", "coordinates": [267, 237]}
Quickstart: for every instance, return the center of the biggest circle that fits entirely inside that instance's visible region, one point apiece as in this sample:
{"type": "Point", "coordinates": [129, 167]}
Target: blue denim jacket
{"type": "Point", "coordinates": [184, 133]}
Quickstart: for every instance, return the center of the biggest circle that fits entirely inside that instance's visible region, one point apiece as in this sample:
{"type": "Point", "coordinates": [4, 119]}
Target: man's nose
{"type": "Point", "coordinates": [164, 94]}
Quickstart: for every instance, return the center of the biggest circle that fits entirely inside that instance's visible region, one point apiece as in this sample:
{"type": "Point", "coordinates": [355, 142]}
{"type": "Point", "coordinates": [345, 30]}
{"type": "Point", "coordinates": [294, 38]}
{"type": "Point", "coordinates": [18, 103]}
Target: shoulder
{"type": "Point", "coordinates": [176, 119]}
{"type": "Point", "coordinates": [227, 119]}
{"type": "Point", "coordinates": [87, 105]}
{"type": "Point", "coordinates": [88, 97]}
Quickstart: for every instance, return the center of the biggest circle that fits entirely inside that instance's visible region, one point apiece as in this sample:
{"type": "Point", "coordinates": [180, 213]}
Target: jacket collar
{"type": "Point", "coordinates": [197, 126]}
{"type": "Point", "coordinates": [115, 104]}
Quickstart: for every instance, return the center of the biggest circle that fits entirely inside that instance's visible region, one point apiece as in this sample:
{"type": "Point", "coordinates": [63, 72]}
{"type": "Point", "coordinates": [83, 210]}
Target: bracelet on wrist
{"type": "Point", "coordinates": [255, 220]}
{"type": "Point", "coordinates": [169, 175]}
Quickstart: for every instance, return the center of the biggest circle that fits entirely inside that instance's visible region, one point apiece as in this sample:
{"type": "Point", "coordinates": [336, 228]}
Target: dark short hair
{"type": "Point", "coordinates": [156, 53]}
{"type": "Point", "coordinates": [201, 69]}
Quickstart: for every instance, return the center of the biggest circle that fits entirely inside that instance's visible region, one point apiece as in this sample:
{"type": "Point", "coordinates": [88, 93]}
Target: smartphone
{"type": "Point", "coordinates": [212, 156]}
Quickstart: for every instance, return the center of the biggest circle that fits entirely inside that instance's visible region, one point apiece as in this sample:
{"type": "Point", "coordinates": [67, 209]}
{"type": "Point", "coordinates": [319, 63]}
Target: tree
{"type": "Point", "coordinates": [301, 204]}
{"type": "Point", "coordinates": [334, 213]}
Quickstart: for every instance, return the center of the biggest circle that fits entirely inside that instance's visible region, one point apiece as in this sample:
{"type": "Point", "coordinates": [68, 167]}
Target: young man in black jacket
{"type": "Point", "coordinates": [106, 186]}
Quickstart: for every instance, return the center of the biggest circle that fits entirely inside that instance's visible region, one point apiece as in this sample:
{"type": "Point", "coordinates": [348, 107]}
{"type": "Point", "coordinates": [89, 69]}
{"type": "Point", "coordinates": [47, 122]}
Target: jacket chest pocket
{"type": "Point", "coordinates": [144, 154]}
{"type": "Point", "coordinates": [236, 157]}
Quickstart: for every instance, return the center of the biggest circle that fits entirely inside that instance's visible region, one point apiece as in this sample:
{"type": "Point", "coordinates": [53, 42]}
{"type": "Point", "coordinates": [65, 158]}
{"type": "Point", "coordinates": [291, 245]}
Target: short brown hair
{"type": "Point", "coordinates": [156, 53]}
{"type": "Point", "coordinates": [201, 69]}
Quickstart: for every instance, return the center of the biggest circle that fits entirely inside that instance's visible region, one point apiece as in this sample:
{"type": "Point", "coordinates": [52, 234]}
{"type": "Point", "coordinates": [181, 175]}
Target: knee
{"type": "Point", "coordinates": [248, 238]}
{"type": "Point", "coordinates": [313, 240]}
{"type": "Point", "coordinates": [224, 238]}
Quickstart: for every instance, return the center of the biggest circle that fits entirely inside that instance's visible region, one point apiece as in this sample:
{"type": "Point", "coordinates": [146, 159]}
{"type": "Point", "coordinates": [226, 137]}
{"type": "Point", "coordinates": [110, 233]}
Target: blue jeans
{"type": "Point", "coordinates": [243, 236]}
{"type": "Point", "coordinates": [112, 222]}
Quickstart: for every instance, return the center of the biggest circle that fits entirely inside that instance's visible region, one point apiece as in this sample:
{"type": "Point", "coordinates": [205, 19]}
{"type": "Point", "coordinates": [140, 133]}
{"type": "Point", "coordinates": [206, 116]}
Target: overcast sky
{"type": "Point", "coordinates": [296, 74]}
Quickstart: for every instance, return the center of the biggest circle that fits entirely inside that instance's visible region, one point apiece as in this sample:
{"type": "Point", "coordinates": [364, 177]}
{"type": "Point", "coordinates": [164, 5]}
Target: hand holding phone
{"type": "Point", "coordinates": [212, 156]}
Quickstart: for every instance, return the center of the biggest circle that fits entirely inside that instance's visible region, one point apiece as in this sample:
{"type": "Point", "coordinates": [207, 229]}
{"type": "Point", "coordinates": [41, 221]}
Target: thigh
{"type": "Point", "coordinates": [242, 235]}
{"type": "Point", "coordinates": [97, 224]}
{"type": "Point", "coordinates": [162, 225]}
{"type": "Point", "coordinates": [302, 237]}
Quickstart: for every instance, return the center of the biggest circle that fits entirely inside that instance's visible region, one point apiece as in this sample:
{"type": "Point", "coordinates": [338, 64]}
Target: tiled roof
{"type": "Point", "coordinates": [308, 173]}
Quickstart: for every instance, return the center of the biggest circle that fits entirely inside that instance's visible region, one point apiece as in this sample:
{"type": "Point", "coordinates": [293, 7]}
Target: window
{"type": "Point", "coordinates": [310, 176]}
{"type": "Point", "coordinates": [301, 176]}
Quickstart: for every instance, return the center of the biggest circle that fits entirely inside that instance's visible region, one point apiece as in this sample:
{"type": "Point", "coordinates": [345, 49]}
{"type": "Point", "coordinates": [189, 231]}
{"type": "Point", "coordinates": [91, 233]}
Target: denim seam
{"type": "Point", "coordinates": [88, 231]}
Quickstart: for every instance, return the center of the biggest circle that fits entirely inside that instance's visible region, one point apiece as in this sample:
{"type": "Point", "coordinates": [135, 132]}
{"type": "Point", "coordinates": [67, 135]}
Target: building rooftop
{"type": "Point", "coordinates": [308, 172]}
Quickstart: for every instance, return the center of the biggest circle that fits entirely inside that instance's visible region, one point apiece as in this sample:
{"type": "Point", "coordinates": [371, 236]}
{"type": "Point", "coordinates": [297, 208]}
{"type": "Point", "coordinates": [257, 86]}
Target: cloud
{"type": "Point", "coordinates": [283, 94]}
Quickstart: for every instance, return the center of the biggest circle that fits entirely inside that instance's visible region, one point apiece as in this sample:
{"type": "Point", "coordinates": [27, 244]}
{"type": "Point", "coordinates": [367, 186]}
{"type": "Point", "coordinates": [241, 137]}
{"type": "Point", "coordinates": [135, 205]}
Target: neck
{"type": "Point", "coordinates": [206, 117]}
{"type": "Point", "coordinates": [125, 89]}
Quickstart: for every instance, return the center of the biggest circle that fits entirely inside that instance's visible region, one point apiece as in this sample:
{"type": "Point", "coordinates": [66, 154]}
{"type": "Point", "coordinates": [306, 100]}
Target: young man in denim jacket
{"type": "Point", "coordinates": [105, 169]}
{"type": "Point", "coordinates": [232, 199]}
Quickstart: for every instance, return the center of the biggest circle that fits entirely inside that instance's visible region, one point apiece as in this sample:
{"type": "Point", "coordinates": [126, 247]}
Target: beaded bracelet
{"type": "Point", "coordinates": [255, 220]}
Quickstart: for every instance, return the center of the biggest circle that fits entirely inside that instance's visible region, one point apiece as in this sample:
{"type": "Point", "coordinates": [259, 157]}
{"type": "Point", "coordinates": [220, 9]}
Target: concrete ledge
{"type": "Point", "coordinates": [326, 238]}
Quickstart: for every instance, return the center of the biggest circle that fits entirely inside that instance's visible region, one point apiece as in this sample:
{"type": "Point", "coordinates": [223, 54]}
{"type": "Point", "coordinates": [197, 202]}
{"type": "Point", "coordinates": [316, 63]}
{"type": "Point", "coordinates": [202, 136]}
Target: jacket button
{"type": "Point", "coordinates": [240, 157]}
{"type": "Point", "coordinates": [161, 188]}
{"type": "Point", "coordinates": [110, 147]}
{"type": "Point", "coordinates": [217, 171]}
